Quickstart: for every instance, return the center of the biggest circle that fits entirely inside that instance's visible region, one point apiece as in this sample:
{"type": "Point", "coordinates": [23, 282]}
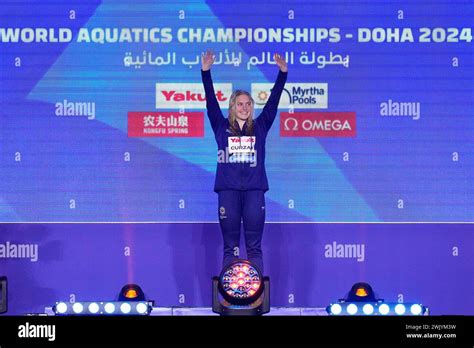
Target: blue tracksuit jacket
{"type": "Point", "coordinates": [244, 172]}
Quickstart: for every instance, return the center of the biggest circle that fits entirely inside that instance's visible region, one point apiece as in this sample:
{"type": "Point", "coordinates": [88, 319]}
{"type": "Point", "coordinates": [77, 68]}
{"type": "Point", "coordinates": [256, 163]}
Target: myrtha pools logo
{"type": "Point", "coordinates": [296, 95]}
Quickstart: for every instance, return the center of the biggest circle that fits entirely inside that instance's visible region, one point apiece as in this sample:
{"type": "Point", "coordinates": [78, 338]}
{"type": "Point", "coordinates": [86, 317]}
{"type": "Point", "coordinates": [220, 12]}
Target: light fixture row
{"type": "Point", "coordinates": [375, 308]}
{"type": "Point", "coordinates": [103, 308]}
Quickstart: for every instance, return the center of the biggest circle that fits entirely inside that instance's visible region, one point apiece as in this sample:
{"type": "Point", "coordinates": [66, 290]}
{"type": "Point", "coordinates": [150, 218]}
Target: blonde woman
{"type": "Point", "coordinates": [241, 180]}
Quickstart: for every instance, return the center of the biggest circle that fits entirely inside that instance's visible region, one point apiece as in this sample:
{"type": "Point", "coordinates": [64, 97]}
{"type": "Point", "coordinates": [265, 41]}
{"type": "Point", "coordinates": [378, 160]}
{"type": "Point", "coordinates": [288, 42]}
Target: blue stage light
{"type": "Point", "coordinates": [77, 307]}
{"type": "Point", "coordinates": [141, 308]}
{"type": "Point", "coordinates": [93, 308]}
{"type": "Point", "coordinates": [125, 308]}
{"type": "Point", "coordinates": [384, 309]}
{"type": "Point", "coordinates": [109, 308]}
{"type": "Point", "coordinates": [103, 308]}
{"type": "Point", "coordinates": [61, 307]}
{"type": "Point", "coordinates": [416, 309]}
{"type": "Point", "coordinates": [352, 309]}
{"type": "Point", "coordinates": [133, 303]}
{"type": "Point", "coordinates": [368, 309]}
{"type": "Point", "coordinates": [336, 309]}
{"type": "Point", "coordinates": [400, 309]}
{"type": "Point", "coordinates": [361, 300]}
{"type": "Point", "coordinates": [375, 308]}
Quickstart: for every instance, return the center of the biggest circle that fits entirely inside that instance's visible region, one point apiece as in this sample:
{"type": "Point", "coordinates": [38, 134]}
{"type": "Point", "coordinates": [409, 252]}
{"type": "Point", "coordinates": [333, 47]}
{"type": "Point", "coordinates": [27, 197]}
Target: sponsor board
{"type": "Point", "coordinates": [189, 95]}
{"type": "Point", "coordinates": [165, 124]}
{"type": "Point", "coordinates": [318, 124]}
{"type": "Point", "coordinates": [295, 95]}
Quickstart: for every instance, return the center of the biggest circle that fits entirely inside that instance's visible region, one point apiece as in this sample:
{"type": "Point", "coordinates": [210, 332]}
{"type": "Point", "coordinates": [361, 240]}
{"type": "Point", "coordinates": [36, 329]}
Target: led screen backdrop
{"type": "Point", "coordinates": [107, 159]}
{"type": "Point", "coordinates": [103, 117]}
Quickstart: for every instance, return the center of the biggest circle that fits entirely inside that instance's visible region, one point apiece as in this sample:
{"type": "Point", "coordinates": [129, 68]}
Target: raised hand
{"type": "Point", "coordinates": [280, 61]}
{"type": "Point", "coordinates": [207, 59]}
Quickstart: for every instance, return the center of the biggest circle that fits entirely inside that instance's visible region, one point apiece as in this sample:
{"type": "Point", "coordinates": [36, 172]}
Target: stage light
{"type": "Point", "coordinates": [131, 302]}
{"type": "Point", "coordinates": [109, 308]}
{"type": "Point", "coordinates": [243, 289]}
{"type": "Point", "coordinates": [361, 292]}
{"type": "Point", "coordinates": [141, 308]}
{"type": "Point", "coordinates": [400, 309]}
{"type": "Point", "coordinates": [384, 309]}
{"type": "Point", "coordinates": [336, 309]}
{"type": "Point", "coordinates": [375, 308]}
{"type": "Point", "coordinates": [352, 309]}
{"type": "Point", "coordinates": [78, 307]}
{"type": "Point", "coordinates": [368, 309]}
{"type": "Point", "coordinates": [416, 309]}
{"type": "Point", "coordinates": [240, 283]}
{"type": "Point", "coordinates": [125, 308]}
{"type": "Point", "coordinates": [361, 296]}
{"type": "Point", "coordinates": [61, 307]}
{"type": "Point", "coordinates": [103, 308]}
{"type": "Point", "coordinates": [94, 308]}
{"type": "Point", "coordinates": [3, 295]}
{"type": "Point", "coordinates": [131, 292]}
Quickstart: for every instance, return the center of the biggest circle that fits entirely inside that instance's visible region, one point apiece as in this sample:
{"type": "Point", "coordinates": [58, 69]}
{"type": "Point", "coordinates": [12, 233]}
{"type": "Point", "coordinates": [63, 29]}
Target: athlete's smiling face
{"type": "Point", "coordinates": [243, 107]}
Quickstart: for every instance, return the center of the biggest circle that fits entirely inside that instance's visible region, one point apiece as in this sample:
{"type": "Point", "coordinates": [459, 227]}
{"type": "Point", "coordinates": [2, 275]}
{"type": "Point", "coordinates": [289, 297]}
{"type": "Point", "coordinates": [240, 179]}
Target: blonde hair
{"type": "Point", "coordinates": [233, 112]}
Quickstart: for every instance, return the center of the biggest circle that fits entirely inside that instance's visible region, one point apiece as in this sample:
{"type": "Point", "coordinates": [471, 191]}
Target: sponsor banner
{"type": "Point", "coordinates": [295, 95]}
{"type": "Point", "coordinates": [165, 124]}
{"type": "Point", "coordinates": [318, 124]}
{"type": "Point", "coordinates": [190, 95]}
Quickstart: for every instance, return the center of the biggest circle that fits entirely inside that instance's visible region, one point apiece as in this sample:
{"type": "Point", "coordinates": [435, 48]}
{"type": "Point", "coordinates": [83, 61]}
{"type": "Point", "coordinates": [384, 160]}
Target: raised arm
{"type": "Point", "coordinates": [271, 107]}
{"type": "Point", "coordinates": [213, 109]}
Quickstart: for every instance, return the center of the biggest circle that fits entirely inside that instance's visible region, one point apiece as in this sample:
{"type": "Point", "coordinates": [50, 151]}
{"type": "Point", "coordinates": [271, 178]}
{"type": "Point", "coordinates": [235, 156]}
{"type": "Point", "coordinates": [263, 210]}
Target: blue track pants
{"type": "Point", "coordinates": [247, 206]}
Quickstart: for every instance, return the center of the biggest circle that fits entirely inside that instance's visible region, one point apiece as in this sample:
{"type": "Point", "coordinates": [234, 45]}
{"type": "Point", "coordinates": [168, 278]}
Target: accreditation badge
{"type": "Point", "coordinates": [241, 145]}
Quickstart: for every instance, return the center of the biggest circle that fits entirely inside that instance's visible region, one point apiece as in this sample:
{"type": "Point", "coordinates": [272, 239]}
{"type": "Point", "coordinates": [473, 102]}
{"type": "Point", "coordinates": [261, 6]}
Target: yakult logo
{"type": "Point", "coordinates": [318, 124]}
{"type": "Point", "coordinates": [189, 95]}
{"type": "Point", "coordinates": [296, 95]}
